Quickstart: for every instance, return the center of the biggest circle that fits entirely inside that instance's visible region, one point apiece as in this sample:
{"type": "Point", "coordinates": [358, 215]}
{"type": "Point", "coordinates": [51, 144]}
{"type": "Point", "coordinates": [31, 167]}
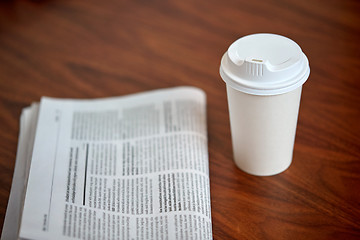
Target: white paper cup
{"type": "Point", "coordinates": [264, 74]}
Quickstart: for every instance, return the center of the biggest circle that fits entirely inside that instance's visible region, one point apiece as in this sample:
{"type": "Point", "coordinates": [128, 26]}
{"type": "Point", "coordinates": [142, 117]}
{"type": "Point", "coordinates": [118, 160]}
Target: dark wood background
{"type": "Point", "coordinates": [90, 49]}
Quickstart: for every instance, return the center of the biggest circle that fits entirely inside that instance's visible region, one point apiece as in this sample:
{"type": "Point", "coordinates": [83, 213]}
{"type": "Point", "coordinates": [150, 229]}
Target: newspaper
{"type": "Point", "coordinates": [133, 167]}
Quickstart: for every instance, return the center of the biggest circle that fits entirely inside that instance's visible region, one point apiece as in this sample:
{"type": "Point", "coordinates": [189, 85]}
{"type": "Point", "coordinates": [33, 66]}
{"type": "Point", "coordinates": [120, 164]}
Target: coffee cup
{"type": "Point", "coordinates": [264, 74]}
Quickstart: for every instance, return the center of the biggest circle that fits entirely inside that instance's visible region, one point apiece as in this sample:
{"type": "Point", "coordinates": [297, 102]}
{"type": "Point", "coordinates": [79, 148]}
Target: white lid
{"type": "Point", "coordinates": [264, 64]}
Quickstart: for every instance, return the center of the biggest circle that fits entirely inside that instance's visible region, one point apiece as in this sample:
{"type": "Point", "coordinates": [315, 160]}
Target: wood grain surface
{"type": "Point", "coordinates": [90, 49]}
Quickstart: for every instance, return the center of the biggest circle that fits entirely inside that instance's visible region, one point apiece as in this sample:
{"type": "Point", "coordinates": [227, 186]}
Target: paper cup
{"type": "Point", "coordinates": [264, 74]}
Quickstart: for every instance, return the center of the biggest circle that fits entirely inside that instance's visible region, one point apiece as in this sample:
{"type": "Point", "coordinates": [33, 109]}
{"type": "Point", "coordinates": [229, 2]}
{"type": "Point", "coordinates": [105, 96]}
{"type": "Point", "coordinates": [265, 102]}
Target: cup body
{"type": "Point", "coordinates": [263, 130]}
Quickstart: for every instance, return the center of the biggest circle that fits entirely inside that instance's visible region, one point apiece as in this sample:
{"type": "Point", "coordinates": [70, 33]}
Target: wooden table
{"type": "Point", "coordinates": [90, 49]}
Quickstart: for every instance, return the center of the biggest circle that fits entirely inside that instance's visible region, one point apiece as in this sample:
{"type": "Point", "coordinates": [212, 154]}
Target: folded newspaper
{"type": "Point", "coordinates": [132, 167]}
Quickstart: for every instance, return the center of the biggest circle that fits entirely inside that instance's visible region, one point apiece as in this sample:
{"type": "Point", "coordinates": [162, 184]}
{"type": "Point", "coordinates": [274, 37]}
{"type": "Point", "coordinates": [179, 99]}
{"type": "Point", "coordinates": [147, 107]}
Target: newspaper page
{"type": "Point", "coordinates": [133, 167]}
{"type": "Point", "coordinates": [14, 209]}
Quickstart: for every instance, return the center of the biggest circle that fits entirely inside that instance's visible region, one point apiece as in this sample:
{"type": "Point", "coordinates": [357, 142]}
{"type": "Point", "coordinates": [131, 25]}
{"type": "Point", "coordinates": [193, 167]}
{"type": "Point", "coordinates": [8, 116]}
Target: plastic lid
{"type": "Point", "coordinates": [264, 64]}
